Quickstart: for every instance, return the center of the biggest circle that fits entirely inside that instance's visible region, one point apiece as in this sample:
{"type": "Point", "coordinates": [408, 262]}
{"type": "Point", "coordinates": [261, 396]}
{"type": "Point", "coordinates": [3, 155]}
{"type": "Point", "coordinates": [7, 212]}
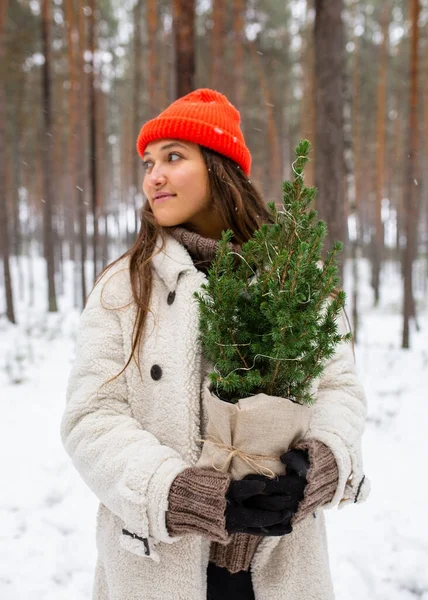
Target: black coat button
{"type": "Point", "coordinates": [156, 372]}
{"type": "Point", "coordinates": [171, 298]}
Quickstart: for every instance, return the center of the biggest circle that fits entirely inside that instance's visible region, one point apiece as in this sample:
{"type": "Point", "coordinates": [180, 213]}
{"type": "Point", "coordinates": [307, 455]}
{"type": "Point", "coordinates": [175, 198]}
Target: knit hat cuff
{"type": "Point", "coordinates": [197, 132]}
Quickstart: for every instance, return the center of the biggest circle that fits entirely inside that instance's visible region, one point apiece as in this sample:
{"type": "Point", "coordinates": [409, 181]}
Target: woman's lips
{"type": "Point", "coordinates": [163, 198]}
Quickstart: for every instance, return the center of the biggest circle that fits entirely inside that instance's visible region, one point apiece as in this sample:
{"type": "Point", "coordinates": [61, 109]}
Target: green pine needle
{"type": "Point", "coordinates": [269, 323]}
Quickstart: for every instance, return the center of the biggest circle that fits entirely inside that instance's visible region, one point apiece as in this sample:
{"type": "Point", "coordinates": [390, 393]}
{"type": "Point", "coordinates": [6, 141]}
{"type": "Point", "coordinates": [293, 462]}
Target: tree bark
{"type": "Point", "coordinates": [218, 46]}
{"type": "Point", "coordinates": [184, 33]}
{"type": "Point", "coordinates": [102, 173]}
{"type": "Point", "coordinates": [72, 125]}
{"type": "Point", "coordinates": [307, 105]}
{"type": "Point", "coordinates": [329, 140]}
{"type": "Point", "coordinates": [61, 159]}
{"type": "Point", "coordinates": [380, 153]}
{"type": "Point", "coordinates": [8, 200]}
{"type": "Point", "coordinates": [411, 190]}
{"type": "Point", "coordinates": [238, 53]}
{"type": "Point", "coordinates": [274, 165]}
{"type": "Point", "coordinates": [397, 159]}
{"type": "Point", "coordinates": [357, 208]}
{"type": "Point", "coordinates": [93, 140]}
{"type": "Point", "coordinates": [165, 70]}
{"type": "Point", "coordinates": [425, 132]}
{"type": "Point", "coordinates": [48, 236]}
{"type": "Point", "coordinates": [152, 28]}
{"type": "Point", "coordinates": [17, 173]}
{"type": "Point", "coordinates": [81, 155]}
{"type": "Point", "coordinates": [136, 110]}
{"type": "Point", "coordinates": [4, 221]}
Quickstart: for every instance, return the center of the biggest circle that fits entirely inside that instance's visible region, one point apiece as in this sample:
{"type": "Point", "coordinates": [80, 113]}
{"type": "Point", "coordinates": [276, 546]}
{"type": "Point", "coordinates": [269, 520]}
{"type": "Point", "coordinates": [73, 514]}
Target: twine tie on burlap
{"type": "Point", "coordinates": [252, 460]}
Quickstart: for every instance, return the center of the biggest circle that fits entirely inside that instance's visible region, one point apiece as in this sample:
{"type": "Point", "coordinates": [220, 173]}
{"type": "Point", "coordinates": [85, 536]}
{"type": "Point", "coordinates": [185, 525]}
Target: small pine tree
{"type": "Point", "coordinates": [269, 323]}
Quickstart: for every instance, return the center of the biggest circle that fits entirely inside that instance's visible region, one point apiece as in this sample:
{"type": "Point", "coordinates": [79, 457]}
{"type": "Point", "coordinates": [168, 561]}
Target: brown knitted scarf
{"type": "Point", "coordinates": [201, 249]}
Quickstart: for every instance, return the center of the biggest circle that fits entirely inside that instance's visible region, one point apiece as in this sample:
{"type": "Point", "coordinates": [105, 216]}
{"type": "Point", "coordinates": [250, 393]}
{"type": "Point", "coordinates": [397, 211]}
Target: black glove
{"type": "Point", "coordinates": [246, 513]}
{"type": "Point", "coordinates": [297, 462]}
{"type": "Point", "coordinates": [263, 506]}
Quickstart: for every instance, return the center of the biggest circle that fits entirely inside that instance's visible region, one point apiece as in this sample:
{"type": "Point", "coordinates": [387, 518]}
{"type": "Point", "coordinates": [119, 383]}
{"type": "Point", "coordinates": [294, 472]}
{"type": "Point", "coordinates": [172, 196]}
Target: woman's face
{"type": "Point", "coordinates": [176, 186]}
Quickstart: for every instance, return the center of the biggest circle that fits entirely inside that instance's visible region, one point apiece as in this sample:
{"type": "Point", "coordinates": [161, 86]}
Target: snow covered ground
{"type": "Point", "coordinates": [378, 550]}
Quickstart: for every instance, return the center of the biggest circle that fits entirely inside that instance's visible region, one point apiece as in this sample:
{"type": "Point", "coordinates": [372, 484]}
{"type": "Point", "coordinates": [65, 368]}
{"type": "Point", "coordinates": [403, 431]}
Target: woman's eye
{"type": "Point", "coordinates": [172, 157]}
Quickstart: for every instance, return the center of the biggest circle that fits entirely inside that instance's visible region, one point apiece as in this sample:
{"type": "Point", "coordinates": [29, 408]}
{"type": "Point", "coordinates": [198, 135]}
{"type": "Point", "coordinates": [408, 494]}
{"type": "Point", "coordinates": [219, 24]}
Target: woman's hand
{"type": "Point", "coordinates": [261, 506]}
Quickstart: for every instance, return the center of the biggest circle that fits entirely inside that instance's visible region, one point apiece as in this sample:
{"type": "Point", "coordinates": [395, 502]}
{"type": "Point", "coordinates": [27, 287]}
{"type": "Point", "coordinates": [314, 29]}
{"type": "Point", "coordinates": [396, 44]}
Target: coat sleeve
{"type": "Point", "coordinates": [338, 420]}
{"type": "Point", "coordinates": [127, 468]}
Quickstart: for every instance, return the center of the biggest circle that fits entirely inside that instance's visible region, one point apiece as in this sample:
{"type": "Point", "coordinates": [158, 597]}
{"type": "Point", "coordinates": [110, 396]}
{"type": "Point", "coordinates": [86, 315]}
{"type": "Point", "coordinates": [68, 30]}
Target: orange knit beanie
{"type": "Point", "coordinates": [204, 117]}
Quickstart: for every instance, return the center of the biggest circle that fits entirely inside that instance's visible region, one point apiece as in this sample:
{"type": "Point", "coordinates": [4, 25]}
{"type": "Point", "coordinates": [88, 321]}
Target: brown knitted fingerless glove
{"type": "Point", "coordinates": [322, 480]}
{"type": "Point", "coordinates": [323, 477]}
{"type": "Point", "coordinates": [197, 504]}
{"type": "Point", "coordinates": [237, 554]}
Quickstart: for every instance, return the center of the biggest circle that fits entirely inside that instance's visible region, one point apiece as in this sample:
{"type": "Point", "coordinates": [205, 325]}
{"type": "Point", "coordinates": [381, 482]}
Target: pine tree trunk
{"type": "Point", "coordinates": [425, 158]}
{"type": "Point", "coordinates": [152, 27]}
{"type": "Point", "coordinates": [28, 222]}
{"type": "Point", "coordinates": [81, 155]}
{"type": "Point", "coordinates": [184, 33]}
{"type": "Point", "coordinates": [38, 193]}
{"type": "Point", "coordinates": [72, 127]}
{"type": "Point", "coordinates": [93, 140]}
{"type": "Point", "coordinates": [307, 105]}
{"type": "Point", "coordinates": [102, 173]}
{"type": "Point", "coordinates": [329, 141]}
{"type": "Point", "coordinates": [397, 171]}
{"type": "Point", "coordinates": [4, 221]}
{"type": "Point", "coordinates": [356, 138]}
{"type": "Point", "coordinates": [274, 165]}
{"type": "Point", "coordinates": [136, 110]}
{"type": "Point", "coordinates": [105, 254]}
{"type": "Point", "coordinates": [125, 178]}
{"type": "Point", "coordinates": [4, 213]}
{"type": "Point", "coordinates": [218, 47]}
{"type": "Point", "coordinates": [59, 182]}
{"type": "Point", "coordinates": [411, 191]}
{"type": "Point", "coordinates": [16, 169]}
{"type": "Point", "coordinates": [355, 289]}
{"type": "Point", "coordinates": [239, 7]}
{"type": "Point", "coordinates": [48, 236]}
{"type": "Point", "coordinates": [380, 153]}
{"type": "Point", "coordinates": [165, 69]}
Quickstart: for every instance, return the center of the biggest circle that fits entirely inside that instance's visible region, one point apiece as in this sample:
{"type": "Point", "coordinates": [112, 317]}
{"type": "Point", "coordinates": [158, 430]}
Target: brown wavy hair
{"type": "Point", "coordinates": [241, 207]}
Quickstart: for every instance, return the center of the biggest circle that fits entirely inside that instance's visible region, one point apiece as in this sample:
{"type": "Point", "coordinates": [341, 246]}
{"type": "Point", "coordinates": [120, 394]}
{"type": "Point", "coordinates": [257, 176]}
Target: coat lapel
{"type": "Point", "coordinates": [171, 261]}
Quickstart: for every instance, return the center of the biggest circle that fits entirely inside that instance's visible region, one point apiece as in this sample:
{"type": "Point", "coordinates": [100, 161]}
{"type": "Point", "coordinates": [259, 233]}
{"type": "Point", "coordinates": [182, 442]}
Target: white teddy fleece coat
{"type": "Point", "coordinates": [130, 437]}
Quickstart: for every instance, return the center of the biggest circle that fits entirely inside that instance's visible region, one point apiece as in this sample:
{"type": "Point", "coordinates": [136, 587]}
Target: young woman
{"type": "Point", "coordinates": [166, 529]}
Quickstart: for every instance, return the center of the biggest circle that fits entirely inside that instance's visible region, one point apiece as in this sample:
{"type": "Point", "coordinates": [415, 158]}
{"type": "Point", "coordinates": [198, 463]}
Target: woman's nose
{"type": "Point", "coordinates": [156, 176]}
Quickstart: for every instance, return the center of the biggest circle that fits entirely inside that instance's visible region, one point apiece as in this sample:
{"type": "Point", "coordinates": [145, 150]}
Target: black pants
{"type": "Point", "coordinates": [223, 585]}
